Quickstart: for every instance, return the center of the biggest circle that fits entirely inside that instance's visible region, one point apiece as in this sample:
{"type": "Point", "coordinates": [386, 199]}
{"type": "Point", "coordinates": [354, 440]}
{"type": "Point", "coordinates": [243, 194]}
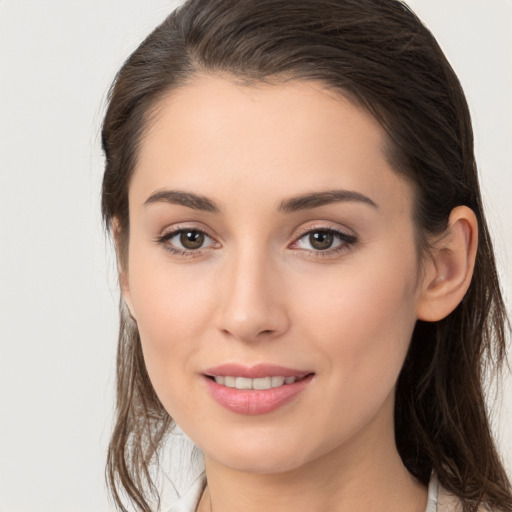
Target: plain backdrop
{"type": "Point", "coordinates": [58, 295]}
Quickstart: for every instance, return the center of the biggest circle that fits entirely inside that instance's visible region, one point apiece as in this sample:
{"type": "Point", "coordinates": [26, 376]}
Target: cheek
{"type": "Point", "coordinates": [169, 299]}
{"type": "Point", "coordinates": [361, 329]}
{"type": "Point", "coordinates": [363, 323]}
{"type": "Point", "coordinates": [172, 306]}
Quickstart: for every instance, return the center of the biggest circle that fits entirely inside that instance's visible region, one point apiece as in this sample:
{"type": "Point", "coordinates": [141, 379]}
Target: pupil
{"type": "Point", "coordinates": [192, 239]}
{"type": "Point", "coordinates": [321, 240]}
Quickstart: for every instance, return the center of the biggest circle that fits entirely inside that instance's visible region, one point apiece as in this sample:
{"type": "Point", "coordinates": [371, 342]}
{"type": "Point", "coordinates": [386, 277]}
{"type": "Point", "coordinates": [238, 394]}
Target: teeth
{"type": "Point", "coordinates": [277, 381]}
{"type": "Point", "coordinates": [243, 383]}
{"type": "Point", "coordinates": [263, 383]}
{"type": "Point", "coordinates": [259, 383]}
{"type": "Point", "coordinates": [230, 382]}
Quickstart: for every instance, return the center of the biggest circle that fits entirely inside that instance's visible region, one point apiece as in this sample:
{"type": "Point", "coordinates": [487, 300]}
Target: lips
{"type": "Point", "coordinates": [255, 390]}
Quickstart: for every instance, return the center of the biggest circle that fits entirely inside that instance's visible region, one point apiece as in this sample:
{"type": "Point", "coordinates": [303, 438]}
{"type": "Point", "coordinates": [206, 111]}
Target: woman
{"type": "Point", "coordinates": [308, 285]}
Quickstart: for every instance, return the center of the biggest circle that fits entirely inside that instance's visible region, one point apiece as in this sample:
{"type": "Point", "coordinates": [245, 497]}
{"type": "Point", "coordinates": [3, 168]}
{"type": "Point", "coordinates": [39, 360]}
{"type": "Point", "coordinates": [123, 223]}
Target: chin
{"type": "Point", "coordinates": [255, 455]}
{"type": "Point", "coordinates": [259, 463]}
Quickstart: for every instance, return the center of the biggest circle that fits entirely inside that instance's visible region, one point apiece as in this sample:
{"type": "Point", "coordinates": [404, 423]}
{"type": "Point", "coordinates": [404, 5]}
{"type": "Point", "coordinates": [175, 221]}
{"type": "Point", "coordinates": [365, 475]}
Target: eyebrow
{"type": "Point", "coordinates": [188, 199]}
{"type": "Point", "coordinates": [317, 199]}
{"type": "Point", "coordinates": [294, 204]}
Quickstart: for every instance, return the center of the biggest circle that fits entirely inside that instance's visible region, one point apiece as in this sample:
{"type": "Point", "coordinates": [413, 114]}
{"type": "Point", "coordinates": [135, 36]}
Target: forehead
{"type": "Point", "coordinates": [225, 139]}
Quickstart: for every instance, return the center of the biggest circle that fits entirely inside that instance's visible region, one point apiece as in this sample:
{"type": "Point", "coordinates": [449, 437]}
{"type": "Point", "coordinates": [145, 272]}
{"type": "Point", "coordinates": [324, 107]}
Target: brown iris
{"type": "Point", "coordinates": [321, 240]}
{"type": "Point", "coordinates": [191, 239]}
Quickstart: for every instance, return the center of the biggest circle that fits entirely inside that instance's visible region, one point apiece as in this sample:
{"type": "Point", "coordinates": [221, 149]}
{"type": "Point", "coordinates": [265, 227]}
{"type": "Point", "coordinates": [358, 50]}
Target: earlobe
{"type": "Point", "coordinates": [450, 267]}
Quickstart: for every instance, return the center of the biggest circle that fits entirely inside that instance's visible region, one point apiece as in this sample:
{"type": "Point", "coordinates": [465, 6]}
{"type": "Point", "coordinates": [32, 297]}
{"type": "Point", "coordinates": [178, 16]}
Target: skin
{"type": "Point", "coordinates": [257, 291]}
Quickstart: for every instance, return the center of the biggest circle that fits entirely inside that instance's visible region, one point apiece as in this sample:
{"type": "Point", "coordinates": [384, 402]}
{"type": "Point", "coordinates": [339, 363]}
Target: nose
{"type": "Point", "coordinates": [252, 304]}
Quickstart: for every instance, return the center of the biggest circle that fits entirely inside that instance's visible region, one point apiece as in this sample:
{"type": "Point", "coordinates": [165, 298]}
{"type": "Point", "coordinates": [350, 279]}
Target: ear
{"type": "Point", "coordinates": [448, 271]}
{"type": "Point", "coordinates": [121, 247]}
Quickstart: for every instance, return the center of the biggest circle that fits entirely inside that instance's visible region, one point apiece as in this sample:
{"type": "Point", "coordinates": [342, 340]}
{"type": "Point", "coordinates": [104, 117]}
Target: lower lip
{"type": "Point", "coordinates": [252, 402]}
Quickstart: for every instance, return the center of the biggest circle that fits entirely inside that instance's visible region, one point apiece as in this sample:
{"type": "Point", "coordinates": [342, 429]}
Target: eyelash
{"type": "Point", "coordinates": [164, 240]}
{"type": "Point", "coordinates": [346, 241]}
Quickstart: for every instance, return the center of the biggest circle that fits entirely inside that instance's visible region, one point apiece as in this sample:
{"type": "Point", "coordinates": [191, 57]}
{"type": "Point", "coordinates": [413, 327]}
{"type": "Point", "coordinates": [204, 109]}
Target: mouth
{"type": "Point", "coordinates": [255, 390]}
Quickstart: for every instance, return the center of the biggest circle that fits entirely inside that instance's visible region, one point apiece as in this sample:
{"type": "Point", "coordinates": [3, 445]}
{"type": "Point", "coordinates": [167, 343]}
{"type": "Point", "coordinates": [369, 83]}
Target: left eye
{"type": "Point", "coordinates": [324, 239]}
{"type": "Point", "coordinates": [187, 240]}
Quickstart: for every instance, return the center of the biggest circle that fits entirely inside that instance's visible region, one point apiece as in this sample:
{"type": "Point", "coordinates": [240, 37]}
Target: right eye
{"type": "Point", "coordinates": [186, 241]}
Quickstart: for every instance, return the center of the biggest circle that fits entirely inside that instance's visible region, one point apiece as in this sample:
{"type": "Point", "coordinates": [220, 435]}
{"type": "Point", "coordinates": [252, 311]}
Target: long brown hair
{"type": "Point", "coordinates": [378, 54]}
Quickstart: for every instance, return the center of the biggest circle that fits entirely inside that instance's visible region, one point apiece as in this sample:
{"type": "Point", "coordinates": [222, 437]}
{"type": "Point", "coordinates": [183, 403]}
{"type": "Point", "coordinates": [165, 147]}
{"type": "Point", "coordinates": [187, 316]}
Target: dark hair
{"type": "Point", "coordinates": [379, 55]}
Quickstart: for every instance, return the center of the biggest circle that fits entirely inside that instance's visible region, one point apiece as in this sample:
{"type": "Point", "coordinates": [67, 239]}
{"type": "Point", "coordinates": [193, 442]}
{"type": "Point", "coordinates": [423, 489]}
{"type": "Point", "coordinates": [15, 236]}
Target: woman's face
{"type": "Point", "coordinates": [271, 241]}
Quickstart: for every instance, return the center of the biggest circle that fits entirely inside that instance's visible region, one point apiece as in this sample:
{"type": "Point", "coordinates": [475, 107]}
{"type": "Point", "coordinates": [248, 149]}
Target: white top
{"type": "Point", "coordinates": [182, 491]}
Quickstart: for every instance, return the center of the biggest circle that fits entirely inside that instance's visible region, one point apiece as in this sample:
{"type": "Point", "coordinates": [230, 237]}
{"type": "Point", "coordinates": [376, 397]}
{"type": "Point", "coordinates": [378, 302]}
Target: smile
{"type": "Point", "coordinates": [255, 390]}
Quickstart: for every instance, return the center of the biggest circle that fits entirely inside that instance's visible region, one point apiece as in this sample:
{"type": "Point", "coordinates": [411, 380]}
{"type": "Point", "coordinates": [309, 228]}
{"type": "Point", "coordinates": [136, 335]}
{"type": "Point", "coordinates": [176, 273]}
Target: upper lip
{"type": "Point", "coordinates": [254, 372]}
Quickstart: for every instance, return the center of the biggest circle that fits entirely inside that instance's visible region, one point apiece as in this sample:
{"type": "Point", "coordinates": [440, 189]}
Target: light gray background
{"type": "Point", "coordinates": [58, 296]}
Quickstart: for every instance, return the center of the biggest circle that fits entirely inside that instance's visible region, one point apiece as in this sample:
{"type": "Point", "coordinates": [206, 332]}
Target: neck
{"type": "Point", "coordinates": [363, 474]}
